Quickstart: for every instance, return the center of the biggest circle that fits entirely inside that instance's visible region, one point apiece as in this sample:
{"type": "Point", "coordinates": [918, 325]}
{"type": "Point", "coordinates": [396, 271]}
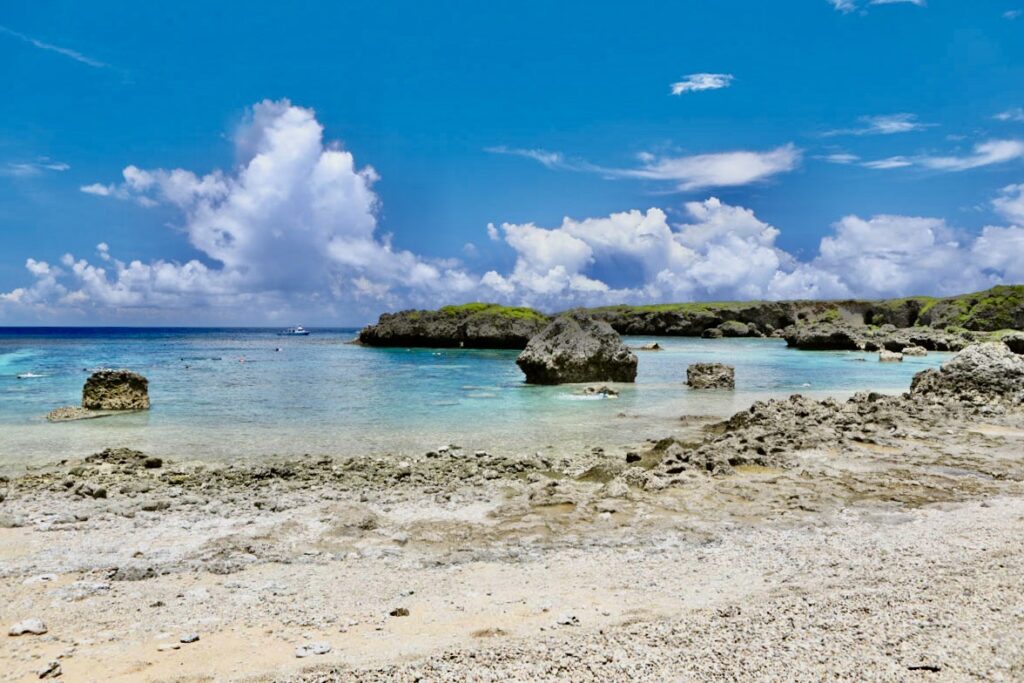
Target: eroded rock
{"type": "Point", "coordinates": [577, 348]}
{"type": "Point", "coordinates": [116, 390]}
{"type": "Point", "coordinates": [711, 376]}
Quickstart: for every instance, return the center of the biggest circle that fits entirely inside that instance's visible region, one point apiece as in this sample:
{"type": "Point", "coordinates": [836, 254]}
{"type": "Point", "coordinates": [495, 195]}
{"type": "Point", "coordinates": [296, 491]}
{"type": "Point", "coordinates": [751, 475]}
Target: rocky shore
{"type": "Point", "coordinates": [798, 540]}
{"type": "Point", "coordinates": [946, 324]}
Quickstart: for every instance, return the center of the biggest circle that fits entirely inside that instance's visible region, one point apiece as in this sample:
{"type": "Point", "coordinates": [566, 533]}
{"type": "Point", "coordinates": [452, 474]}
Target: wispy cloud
{"type": "Point", "coordinates": [986, 153]}
{"type": "Point", "coordinates": [840, 158]}
{"type": "Point", "coordinates": [691, 172]}
{"type": "Point", "coordinates": [1016, 115]}
{"type": "Point", "coordinates": [1012, 14]}
{"type": "Point", "coordinates": [847, 6]}
{"type": "Point", "coordinates": [721, 169]}
{"type": "Point", "coordinates": [889, 124]}
{"type": "Point", "coordinates": [67, 52]}
{"type": "Point", "coordinates": [541, 156]}
{"type": "Point", "coordinates": [26, 169]}
{"type": "Point", "coordinates": [702, 81]}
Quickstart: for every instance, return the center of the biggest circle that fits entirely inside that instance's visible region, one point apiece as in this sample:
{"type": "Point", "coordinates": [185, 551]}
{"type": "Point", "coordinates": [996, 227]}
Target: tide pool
{"type": "Point", "coordinates": [245, 393]}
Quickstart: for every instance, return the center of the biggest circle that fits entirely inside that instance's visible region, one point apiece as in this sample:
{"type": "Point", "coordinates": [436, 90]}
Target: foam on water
{"type": "Point", "coordinates": [321, 395]}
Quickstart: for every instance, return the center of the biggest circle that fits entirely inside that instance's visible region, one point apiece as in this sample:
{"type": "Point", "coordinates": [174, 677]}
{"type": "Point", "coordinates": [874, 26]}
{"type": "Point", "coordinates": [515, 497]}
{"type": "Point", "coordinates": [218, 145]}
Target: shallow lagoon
{"type": "Point", "coordinates": [319, 395]}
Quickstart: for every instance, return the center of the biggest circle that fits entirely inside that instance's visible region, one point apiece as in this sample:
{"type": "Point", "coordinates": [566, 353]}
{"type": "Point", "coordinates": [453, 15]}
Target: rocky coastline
{"type": "Point", "coordinates": [943, 324]}
{"type": "Point", "coordinates": [609, 563]}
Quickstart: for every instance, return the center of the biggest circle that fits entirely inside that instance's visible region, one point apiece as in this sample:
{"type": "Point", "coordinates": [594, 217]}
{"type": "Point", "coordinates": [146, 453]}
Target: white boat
{"type": "Point", "coordinates": [298, 331]}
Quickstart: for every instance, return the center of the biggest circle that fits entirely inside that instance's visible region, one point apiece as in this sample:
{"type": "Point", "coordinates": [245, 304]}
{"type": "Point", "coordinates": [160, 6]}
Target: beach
{"type": "Point", "coordinates": [884, 549]}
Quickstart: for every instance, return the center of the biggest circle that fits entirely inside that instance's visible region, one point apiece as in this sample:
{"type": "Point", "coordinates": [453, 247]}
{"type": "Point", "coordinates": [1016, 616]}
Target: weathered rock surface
{"type": "Point", "coordinates": [983, 379]}
{"type": "Point", "coordinates": [711, 376]}
{"type": "Point", "coordinates": [33, 626]}
{"type": "Point", "coordinates": [914, 350]}
{"type": "Point", "coordinates": [115, 390]}
{"type": "Point", "coordinates": [577, 348]}
{"type": "Point", "coordinates": [69, 413]}
{"type": "Point", "coordinates": [887, 356]}
{"type": "Point", "coordinates": [844, 336]}
{"type": "Point", "coordinates": [981, 374]}
{"type": "Point", "coordinates": [1015, 342]}
{"type": "Point", "coordinates": [481, 326]}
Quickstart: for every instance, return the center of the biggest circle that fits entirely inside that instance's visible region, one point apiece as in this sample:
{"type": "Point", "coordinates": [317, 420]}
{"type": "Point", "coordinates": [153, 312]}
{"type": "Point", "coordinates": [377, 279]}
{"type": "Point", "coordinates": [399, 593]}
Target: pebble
{"type": "Point", "coordinates": [312, 649]}
{"type": "Point", "coordinates": [568, 620]}
{"type": "Point", "coordinates": [190, 638]}
{"type": "Point", "coordinates": [399, 612]}
{"type": "Point", "coordinates": [166, 647]}
{"type": "Point", "coordinates": [51, 670]}
{"type": "Point", "coordinates": [33, 626]}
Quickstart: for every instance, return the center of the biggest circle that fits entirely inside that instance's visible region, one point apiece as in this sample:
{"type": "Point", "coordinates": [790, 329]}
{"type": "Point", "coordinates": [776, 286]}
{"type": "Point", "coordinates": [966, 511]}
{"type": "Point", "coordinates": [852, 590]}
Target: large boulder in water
{"type": "Point", "coordinates": [116, 390]}
{"type": "Point", "coordinates": [577, 348]}
{"type": "Point", "coordinates": [979, 372]}
{"type": "Point", "coordinates": [711, 376]}
{"type": "Point", "coordinates": [823, 336]}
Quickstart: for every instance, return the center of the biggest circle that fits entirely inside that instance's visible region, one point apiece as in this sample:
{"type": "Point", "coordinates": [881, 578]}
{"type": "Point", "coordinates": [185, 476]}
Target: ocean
{"type": "Point", "coordinates": [249, 393]}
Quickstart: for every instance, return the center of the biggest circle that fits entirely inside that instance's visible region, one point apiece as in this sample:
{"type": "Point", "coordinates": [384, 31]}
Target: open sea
{"type": "Point", "coordinates": [249, 393]}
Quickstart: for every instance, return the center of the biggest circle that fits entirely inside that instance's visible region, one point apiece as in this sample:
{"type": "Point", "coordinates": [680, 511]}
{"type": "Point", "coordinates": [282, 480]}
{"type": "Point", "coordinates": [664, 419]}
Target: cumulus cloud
{"type": "Point", "coordinates": [293, 226]}
{"type": "Point", "coordinates": [727, 252]}
{"type": "Point", "coordinates": [700, 82]}
{"type": "Point", "coordinates": [1010, 205]}
{"type": "Point", "coordinates": [293, 229]}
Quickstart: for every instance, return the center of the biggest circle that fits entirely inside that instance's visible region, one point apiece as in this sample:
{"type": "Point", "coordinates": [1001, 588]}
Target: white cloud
{"type": "Point", "coordinates": [1012, 14]}
{"type": "Point", "coordinates": [842, 158]}
{"type": "Point", "coordinates": [1015, 115]}
{"type": "Point", "coordinates": [293, 229]}
{"type": "Point", "coordinates": [73, 54]}
{"type": "Point", "coordinates": [847, 6]}
{"type": "Point", "coordinates": [25, 169]}
{"type": "Point", "coordinates": [542, 156]}
{"type": "Point", "coordinates": [700, 82]}
{"type": "Point", "coordinates": [983, 154]}
{"type": "Point", "coordinates": [715, 169]}
{"type": "Point", "coordinates": [293, 226]}
{"type": "Point", "coordinates": [720, 169]}
{"type": "Point", "coordinates": [890, 162]}
{"type": "Point", "coordinates": [889, 124]}
{"type": "Point", "coordinates": [1010, 205]}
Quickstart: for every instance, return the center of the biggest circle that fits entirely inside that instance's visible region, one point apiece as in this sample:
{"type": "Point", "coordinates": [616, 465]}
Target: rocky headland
{"type": "Point", "coordinates": [883, 530]}
{"type": "Point", "coordinates": [941, 324]}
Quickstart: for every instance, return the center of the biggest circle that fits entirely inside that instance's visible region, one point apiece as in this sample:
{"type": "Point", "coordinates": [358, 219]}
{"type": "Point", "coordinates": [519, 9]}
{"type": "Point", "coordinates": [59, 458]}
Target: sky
{"type": "Point", "coordinates": [319, 163]}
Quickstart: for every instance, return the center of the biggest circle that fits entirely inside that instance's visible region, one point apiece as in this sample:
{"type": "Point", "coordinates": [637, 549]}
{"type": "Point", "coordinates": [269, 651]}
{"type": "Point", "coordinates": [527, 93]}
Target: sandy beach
{"type": "Point", "coordinates": [887, 554]}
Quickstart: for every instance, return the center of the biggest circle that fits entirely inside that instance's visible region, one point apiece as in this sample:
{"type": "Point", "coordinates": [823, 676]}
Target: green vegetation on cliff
{"type": "Point", "coordinates": [479, 308]}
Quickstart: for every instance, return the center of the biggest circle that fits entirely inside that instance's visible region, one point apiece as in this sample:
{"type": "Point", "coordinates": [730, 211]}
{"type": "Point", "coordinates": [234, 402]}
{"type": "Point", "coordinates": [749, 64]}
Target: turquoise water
{"type": "Point", "coordinates": [318, 394]}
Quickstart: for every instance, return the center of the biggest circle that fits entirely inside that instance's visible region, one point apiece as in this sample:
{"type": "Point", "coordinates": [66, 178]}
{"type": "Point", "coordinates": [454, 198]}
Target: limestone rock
{"type": "Point", "coordinates": [33, 626]}
{"type": "Point", "coordinates": [988, 371]}
{"type": "Point", "coordinates": [914, 350]}
{"type": "Point", "coordinates": [711, 376]}
{"type": "Point", "coordinates": [1015, 342]}
{"type": "Point", "coordinates": [887, 356]}
{"type": "Point", "coordinates": [116, 390]}
{"type": "Point", "coordinates": [577, 348]}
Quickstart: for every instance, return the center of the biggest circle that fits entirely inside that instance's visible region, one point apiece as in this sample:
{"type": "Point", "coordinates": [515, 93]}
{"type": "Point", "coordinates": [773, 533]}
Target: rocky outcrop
{"type": "Point", "coordinates": [577, 348]}
{"type": "Point", "coordinates": [979, 374]}
{"type": "Point", "coordinates": [474, 326]}
{"type": "Point", "coordinates": [115, 390]}
{"type": "Point", "coordinates": [1015, 342]}
{"type": "Point", "coordinates": [983, 379]}
{"type": "Point", "coordinates": [913, 350]}
{"type": "Point", "coordinates": [71, 413]}
{"type": "Point", "coordinates": [824, 336]}
{"type": "Point", "coordinates": [711, 376]}
{"type": "Point", "coordinates": [843, 336]}
{"type": "Point", "coordinates": [887, 356]}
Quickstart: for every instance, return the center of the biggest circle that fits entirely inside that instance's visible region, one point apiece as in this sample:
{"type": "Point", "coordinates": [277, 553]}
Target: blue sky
{"type": "Point", "coordinates": [820, 148]}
